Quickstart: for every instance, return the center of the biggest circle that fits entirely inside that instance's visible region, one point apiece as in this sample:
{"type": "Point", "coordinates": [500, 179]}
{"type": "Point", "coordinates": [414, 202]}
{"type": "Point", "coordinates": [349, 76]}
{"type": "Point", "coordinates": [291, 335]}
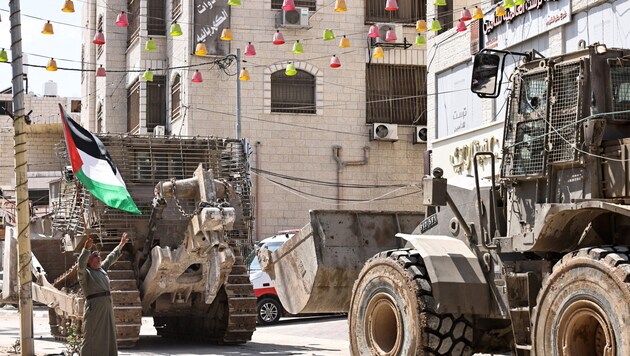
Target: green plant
{"type": "Point", "coordinates": [74, 339]}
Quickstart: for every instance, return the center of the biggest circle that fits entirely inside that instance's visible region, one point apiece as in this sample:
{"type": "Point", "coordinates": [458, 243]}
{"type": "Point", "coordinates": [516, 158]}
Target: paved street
{"type": "Point", "coordinates": [292, 336]}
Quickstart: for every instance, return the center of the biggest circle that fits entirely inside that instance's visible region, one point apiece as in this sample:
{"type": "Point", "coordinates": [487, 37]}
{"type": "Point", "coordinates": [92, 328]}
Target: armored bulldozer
{"type": "Point", "coordinates": [185, 265]}
{"type": "Point", "coordinates": [532, 259]}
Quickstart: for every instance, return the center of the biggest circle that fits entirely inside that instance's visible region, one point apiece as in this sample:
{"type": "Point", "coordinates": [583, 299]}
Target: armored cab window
{"type": "Point", "coordinates": [525, 126]}
{"type": "Point", "coordinates": [620, 79]}
{"type": "Point", "coordinates": [533, 95]}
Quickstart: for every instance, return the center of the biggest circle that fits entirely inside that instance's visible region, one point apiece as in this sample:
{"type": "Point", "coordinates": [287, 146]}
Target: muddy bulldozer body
{"type": "Point", "coordinates": [530, 259]}
{"type": "Point", "coordinates": [184, 266]}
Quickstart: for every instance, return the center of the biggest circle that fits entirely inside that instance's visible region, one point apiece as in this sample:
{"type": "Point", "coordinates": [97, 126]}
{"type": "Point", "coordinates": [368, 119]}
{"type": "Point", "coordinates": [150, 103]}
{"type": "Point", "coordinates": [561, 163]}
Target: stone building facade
{"type": "Point", "coordinates": [310, 134]}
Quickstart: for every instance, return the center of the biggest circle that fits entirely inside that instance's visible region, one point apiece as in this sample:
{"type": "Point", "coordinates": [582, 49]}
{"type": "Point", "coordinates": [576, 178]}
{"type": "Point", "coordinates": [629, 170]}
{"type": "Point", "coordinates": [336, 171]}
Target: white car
{"type": "Point", "coordinates": [269, 307]}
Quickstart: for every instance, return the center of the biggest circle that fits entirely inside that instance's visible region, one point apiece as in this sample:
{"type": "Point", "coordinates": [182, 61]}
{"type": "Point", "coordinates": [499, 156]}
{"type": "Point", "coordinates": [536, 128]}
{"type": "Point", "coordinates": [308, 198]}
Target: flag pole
{"type": "Point", "coordinates": [21, 185]}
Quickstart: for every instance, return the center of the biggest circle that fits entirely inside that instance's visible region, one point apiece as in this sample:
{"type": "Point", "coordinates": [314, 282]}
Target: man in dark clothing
{"type": "Point", "coordinates": [99, 326]}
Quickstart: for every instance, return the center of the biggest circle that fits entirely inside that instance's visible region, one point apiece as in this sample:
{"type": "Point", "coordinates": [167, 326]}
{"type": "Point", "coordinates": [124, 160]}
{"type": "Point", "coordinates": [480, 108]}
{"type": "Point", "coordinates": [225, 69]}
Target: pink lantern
{"type": "Point", "coordinates": [391, 5]}
{"type": "Point", "coordinates": [288, 5]}
{"type": "Point", "coordinates": [99, 38]}
{"type": "Point", "coordinates": [100, 72]}
{"type": "Point", "coordinates": [390, 36]}
{"type": "Point", "coordinates": [197, 77]}
{"type": "Point", "coordinates": [465, 15]}
{"type": "Point", "coordinates": [278, 38]}
{"type": "Point", "coordinates": [335, 62]}
{"type": "Point", "coordinates": [374, 33]}
{"type": "Point", "coordinates": [122, 20]}
{"type": "Point", "coordinates": [250, 50]}
{"type": "Point", "coordinates": [461, 26]}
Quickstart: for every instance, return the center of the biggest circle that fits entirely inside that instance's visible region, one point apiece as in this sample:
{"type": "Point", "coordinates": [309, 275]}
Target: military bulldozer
{"type": "Point", "coordinates": [532, 259]}
{"type": "Point", "coordinates": [184, 266]}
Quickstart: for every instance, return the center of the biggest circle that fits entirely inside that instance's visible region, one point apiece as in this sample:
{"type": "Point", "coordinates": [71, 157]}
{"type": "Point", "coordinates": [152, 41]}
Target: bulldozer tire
{"type": "Point", "coordinates": [392, 311]}
{"type": "Point", "coordinates": [583, 306]}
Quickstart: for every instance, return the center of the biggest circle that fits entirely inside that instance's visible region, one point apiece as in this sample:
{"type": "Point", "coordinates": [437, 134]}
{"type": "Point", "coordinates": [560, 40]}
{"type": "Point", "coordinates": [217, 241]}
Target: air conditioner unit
{"type": "Point", "coordinates": [297, 18]}
{"type": "Point", "coordinates": [384, 132]}
{"type": "Point", "coordinates": [420, 134]}
{"type": "Point", "coordinates": [159, 131]}
{"type": "Point", "coordinates": [384, 27]}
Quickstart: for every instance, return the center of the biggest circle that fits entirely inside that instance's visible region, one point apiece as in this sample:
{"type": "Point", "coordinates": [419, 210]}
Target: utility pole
{"type": "Point", "coordinates": [21, 185]}
{"type": "Point", "coordinates": [238, 94]}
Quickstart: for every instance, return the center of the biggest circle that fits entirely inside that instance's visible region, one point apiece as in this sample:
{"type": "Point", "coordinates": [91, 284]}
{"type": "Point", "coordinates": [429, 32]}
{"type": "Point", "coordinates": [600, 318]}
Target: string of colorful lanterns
{"type": "Point", "coordinates": [278, 39]}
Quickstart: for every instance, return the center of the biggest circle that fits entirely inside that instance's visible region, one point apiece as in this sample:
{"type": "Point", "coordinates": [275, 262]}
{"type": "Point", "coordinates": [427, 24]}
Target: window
{"type": "Point", "coordinates": [396, 94]}
{"type": "Point", "coordinates": [75, 105]}
{"type": "Point", "coordinates": [294, 94]}
{"type": "Point", "coordinates": [6, 107]}
{"type": "Point", "coordinates": [133, 107]}
{"type": "Point", "coordinates": [156, 102]}
{"type": "Point", "coordinates": [446, 16]}
{"type": "Point", "coordinates": [99, 118]}
{"type": "Point", "coordinates": [99, 28]}
{"type": "Point", "coordinates": [176, 98]}
{"type": "Point", "coordinates": [311, 4]}
{"type": "Point", "coordinates": [133, 31]}
{"type": "Point", "coordinates": [176, 9]}
{"type": "Point", "coordinates": [408, 11]}
{"type": "Point", "coordinates": [82, 63]}
{"type": "Point", "coordinates": [156, 23]}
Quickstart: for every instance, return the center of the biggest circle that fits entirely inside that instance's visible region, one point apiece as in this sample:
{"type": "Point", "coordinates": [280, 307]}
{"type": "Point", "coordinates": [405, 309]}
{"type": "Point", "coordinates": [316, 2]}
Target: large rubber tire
{"type": "Point", "coordinates": [269, 311]}
{"type": "Point", "coordinates": [392, 311]}
{"type": "Point", "coordinates": [583, 307]}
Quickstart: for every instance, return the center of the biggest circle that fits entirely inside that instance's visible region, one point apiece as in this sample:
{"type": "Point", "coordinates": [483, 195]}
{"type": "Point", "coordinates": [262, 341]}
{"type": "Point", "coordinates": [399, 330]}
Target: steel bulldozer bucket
{"type": "Point", "coordinates": [314, 271]}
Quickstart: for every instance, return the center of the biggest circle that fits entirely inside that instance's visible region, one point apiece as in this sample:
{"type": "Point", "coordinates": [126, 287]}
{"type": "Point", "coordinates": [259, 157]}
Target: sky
{"type": "Point", "coordinates": [64, 45]}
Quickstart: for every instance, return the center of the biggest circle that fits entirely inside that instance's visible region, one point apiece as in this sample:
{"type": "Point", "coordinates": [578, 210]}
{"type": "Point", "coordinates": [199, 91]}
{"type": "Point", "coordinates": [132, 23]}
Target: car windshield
{"type": "Point", "coordinates": [255, 264]}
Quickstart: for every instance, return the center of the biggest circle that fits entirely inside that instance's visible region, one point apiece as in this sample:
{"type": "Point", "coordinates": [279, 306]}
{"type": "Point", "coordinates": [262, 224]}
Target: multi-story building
{"type": "Point", "coordinates": [310, 133]}
{"type": "Point", "coordinates": [460, 123]}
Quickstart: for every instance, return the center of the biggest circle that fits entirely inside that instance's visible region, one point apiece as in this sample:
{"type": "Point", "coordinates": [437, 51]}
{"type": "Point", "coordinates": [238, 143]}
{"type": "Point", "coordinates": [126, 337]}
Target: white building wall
{"type": "Point", "coordinates": [589, 21]}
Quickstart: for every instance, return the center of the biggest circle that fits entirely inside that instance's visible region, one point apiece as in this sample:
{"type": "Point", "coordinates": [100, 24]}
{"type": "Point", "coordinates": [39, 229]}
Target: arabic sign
{"type": "Point", "coordinates": [211, 17]}
{"type": "Point", "coordinates": [525, 21]}
{"type": "Point", "coordinates": [458, 109]}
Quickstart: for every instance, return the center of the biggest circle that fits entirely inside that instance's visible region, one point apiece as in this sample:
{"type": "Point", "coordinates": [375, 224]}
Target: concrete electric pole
{"type": "Point", "coordinates": [21, 185]}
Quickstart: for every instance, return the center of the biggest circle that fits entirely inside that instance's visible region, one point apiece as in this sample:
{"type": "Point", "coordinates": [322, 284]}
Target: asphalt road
{"type": "Point", "coordinates": [291, 336]}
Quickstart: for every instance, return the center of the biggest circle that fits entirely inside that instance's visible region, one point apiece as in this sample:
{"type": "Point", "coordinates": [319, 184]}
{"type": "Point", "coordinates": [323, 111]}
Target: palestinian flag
{"type": "Point", "coordinates": [92, 164]}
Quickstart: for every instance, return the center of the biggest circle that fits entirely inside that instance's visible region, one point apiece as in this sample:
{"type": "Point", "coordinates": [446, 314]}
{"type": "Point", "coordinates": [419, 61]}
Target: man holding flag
{"type": "Point", "coordinates": [92, 164]}
{"type": "Point", "coordinates": [94, 167]}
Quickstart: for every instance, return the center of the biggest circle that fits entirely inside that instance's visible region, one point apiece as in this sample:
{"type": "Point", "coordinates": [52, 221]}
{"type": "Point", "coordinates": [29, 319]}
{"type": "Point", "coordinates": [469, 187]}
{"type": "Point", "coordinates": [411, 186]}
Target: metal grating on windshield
{"type": "Point", "coordinates": [565, 111]}
{"type": "Point", "coordinates": [620, 79]}
{"type": "Point", "coordinates": [525, 133]}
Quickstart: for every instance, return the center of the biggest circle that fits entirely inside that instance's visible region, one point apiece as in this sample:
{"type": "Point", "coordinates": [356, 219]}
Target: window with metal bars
{"type": "Point", "coordinates": [311, 4]}
{"type": "Point", "coordinates": [156, 102]}
{"type": "Point", "coordinates": [99, 28]}
{"type": "Point", "coordinates": [99, 118]}
{"type": "Point", "coordinates": [295, 94]}
{"type": "Point", "coordinates": [133, 106]}
{"type": "Point", "coordinates": [133, 30]}
{"type": "Point", "coordinates": [83, 73]}
{"type": "Point", "coordinates": [176, 100]}
{"type": "Point", "coordinates": [156, 23]}
{"type": "Point", "coordinates": [620, 80]}
{"type": "Point", "coordinates": [396, 94]}
{"type": "Point", "coordinates": [176, 9]}
{"type": "Point", "coordinates": [409, 11]}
